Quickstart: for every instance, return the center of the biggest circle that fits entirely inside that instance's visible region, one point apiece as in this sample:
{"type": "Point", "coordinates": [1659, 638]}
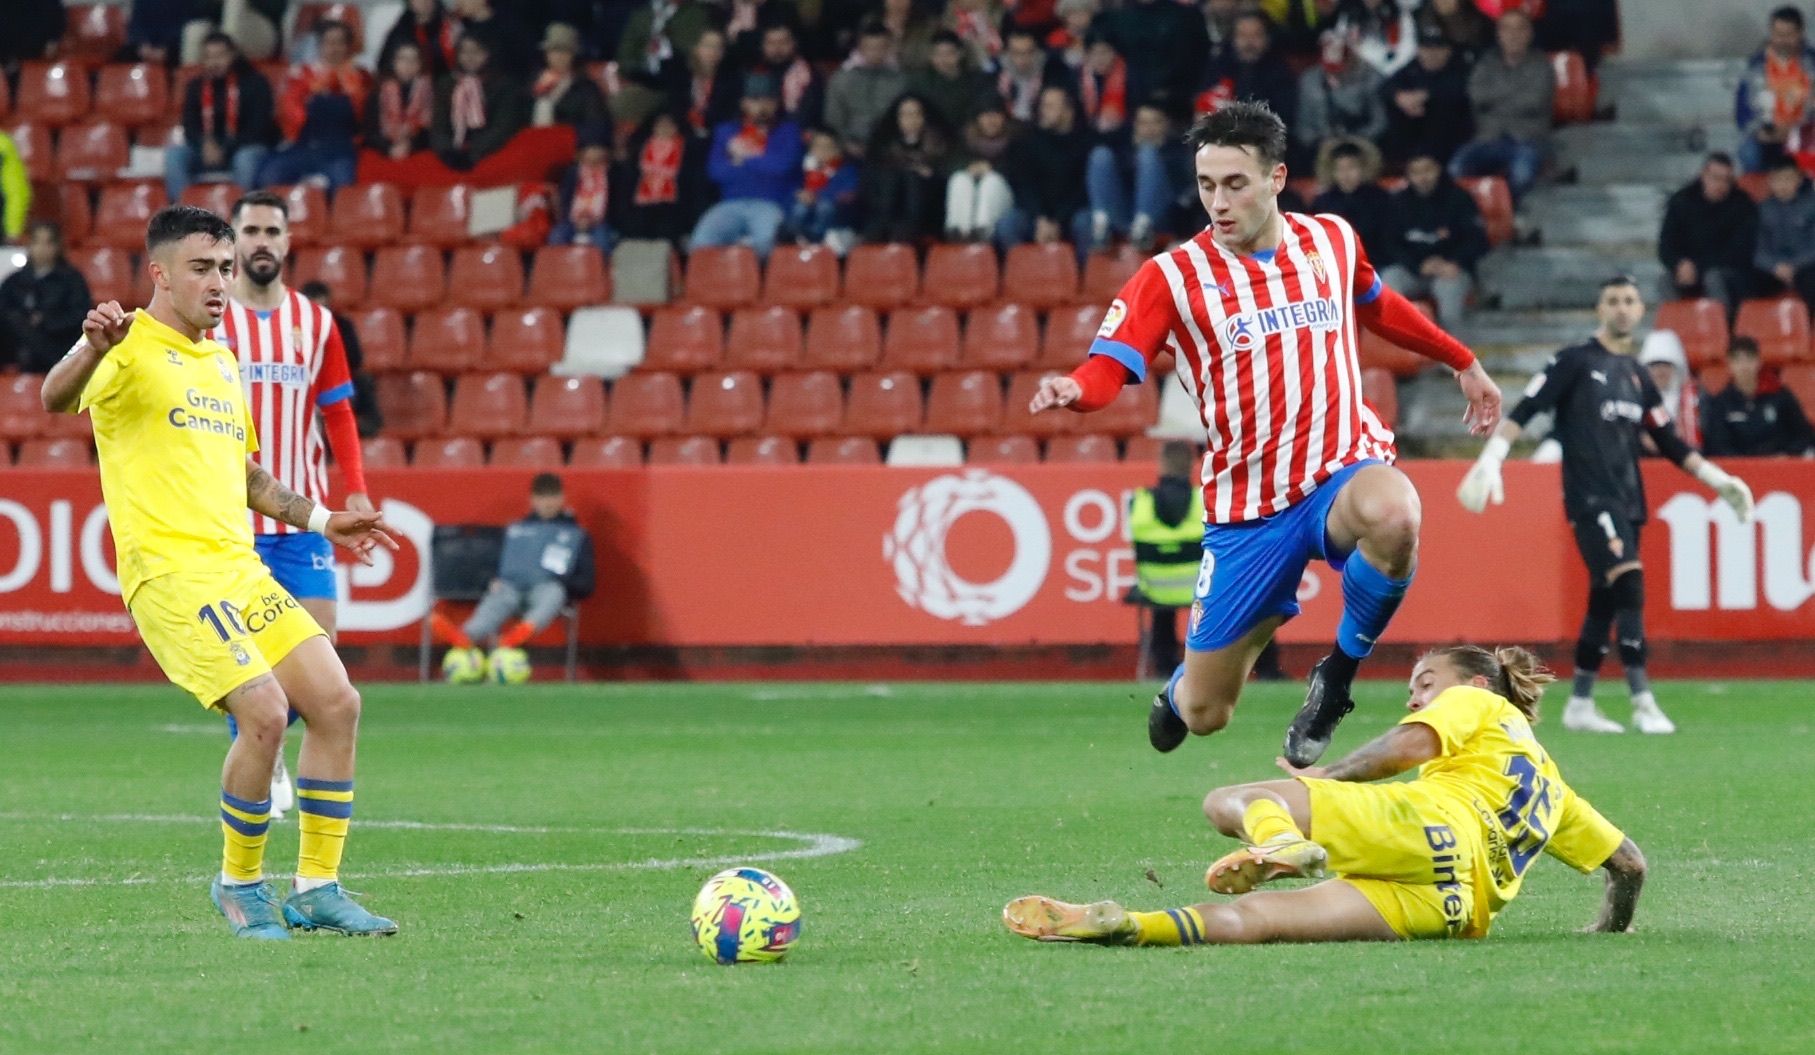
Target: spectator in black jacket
{"type": "Point", "coordinates": [42, 304]}
{"type": "Point", "coordinates": [1708, 237]}
{"type": "Point", "coordinates": [1352, 194]}
{"type": "Point", "coordinates": [1026, 70]}
{"type": "Point", "coordinates": [1746, 420]}
{"type": "Point", "coordinates": [425, 24]}
{"type": "Point", "coordinates": [1427, 107]}
{"type": "Point", "coordinates": [563, 93]}
{"type": "Point", "coordinates": [586, 194]}
{"type": "Point", "coordinates": [402, 106]}
{"type": "Point", "coordinates": [1250, 70]}
{"type": "Point", "coordinates": [803, 92]}
{"type": "Point", "coordinates": [496, 26]}
{"type": "Point", "coordinates": [949, 84]}
{"type": "Point", "coordinates": [1784, 258]}
{"type": "Point", "coordinates": [1165, 43]}
{"type": "Point", "coordinates": [904, 172]}
{"type": "Point", "coordinates": [1437, 237]}
{"type": "Point", "coordinates": [229, 123]}
{"type": "Point", "coordinates": [477, 109]}
{"type": "Point", "coordinates": [1046, 170]}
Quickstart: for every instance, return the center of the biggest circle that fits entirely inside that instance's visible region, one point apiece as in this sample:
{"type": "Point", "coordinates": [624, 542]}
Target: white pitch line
{"type": "Point", "coordinates": [815, 845]}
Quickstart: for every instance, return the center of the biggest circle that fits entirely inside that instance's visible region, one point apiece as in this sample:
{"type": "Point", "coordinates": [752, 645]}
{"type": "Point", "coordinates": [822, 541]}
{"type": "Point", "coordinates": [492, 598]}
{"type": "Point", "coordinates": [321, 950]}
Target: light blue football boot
{"type": "Point", "coordinates": [251, 910]}
{"type": "Point", "coordinates": [329, 908]}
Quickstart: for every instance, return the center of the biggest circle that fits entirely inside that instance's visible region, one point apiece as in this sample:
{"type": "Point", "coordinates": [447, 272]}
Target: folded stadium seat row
{"type": "Point", "coordinates": [134, 94]}
{"type": "Point", "coordinates": [415, 276]}
{"type": "Point", "coordinates": [23, 417]}
{"type": "Point", "coordinates": [457, 339]}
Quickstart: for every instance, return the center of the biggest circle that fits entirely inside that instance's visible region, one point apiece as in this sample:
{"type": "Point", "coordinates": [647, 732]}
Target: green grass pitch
{"type": "Point", "coordinates": [540, 847]}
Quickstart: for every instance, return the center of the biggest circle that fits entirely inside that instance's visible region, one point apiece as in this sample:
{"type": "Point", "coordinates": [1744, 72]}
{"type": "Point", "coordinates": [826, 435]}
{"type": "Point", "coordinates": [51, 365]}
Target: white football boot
{"type": "Point", "coordinates": [1648, 717]}
{"type": "Point", "coordinates": [1582, 716]}
{"type": "Point", "coordinates": [283, 791]}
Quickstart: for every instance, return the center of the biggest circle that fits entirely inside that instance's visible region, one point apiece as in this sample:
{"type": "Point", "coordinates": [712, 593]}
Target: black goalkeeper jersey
{"type": "Point", "coordinates": [1602, 402]}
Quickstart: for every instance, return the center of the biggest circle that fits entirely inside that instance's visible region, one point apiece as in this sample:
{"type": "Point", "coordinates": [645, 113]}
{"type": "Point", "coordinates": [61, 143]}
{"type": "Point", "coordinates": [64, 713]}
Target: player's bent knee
{"type": "Point", "coordinates": [262, 712]}
{"type": "Point", "coordinates": [1224, 808]}
{"type": "Point", "coordinates": [1205, 716]}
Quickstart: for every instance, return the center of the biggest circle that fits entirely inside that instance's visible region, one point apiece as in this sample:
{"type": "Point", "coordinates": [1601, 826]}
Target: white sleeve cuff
{"type": "Point", "coordinates": [318, 518]}
{"type": "Point", "coordinates": [1496, 450]}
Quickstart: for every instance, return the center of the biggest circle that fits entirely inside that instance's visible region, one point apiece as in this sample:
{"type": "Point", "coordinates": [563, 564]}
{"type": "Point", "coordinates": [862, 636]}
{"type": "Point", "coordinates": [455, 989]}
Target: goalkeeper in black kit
{"type": "Point", "coordinates": [1603, 401]}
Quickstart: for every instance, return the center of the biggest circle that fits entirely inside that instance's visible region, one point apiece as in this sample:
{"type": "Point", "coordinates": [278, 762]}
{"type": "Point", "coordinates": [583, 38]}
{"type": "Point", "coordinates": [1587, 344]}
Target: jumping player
{"type": "Point", "coordinates": [1435, 857]}
{"type": "Point", "coordinates": [1604, 400]}
{"type": "Point", "coordinates": [176, 441]}
{"type": "Point", "coordinates": [1260, 312]}
{"type": "Point", "coordinates": [295, 371]}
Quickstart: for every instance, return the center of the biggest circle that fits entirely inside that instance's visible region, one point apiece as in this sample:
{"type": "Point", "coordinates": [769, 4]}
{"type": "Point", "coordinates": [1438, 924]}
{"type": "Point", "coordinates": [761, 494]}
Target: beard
{"type": "Point", "coordinates": [263, 270]}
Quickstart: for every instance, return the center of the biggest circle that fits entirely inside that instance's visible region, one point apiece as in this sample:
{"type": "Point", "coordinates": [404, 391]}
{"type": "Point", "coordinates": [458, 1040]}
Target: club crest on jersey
{"type": "Point", "coordinates": [173, 357]}
{"type": "Point", "coordinates": [1113, 317]}
{"type": "Point", "coordinates": [1317, 267]}
{"type": "Point", "coordinates": [1243, 329]}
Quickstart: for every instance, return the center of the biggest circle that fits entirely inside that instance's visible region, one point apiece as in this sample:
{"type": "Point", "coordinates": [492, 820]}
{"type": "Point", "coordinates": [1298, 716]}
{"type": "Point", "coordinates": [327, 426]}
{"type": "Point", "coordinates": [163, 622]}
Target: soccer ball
{"type": "Point", "coordinates": [745, 915]}
{"type": "Point", "coordinates": [463, 666]}
{"type": "Point", "coordinates": [508, 666]}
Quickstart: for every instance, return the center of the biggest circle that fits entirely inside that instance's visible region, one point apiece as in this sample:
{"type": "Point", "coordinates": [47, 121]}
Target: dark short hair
{"type": "Point", "coordinates": [173, 223]}
{"type": "Point", "coordinates": [329, 25]}
{"type": "Point", "coordinates": [1614, 282]}
{"type": "Point", "coordinates": [1256, 13]}
{"type": "Point", "coordinates": [874, 28]}
{"type": "Point", "coordinates": [946, 36]}
{"type": "Point", "coordinates": [56, 230]}
{"type": "Point", "coordinates": [1346, 150]}
{"type": "Point", "coordinates": [1248, 123]}
{"type": "Point", "coordinates": [217, 37]}
{"type": "Point", "coordinates": [1719, 157]}
{"type": "Point", "coordinates": [1788, 13]}
{"type": "Point", "coordinates": [1176, 457]}
{"type": "Point", "coordinates": [545, 484]}
{"type": "Point", "coordinates": [1020, 31]}
{"type": "Point", "coordinates": [1784, 161]}
{"type": "Point", "coordinates": [261, 197]}
{"type": "Point", "coordinates": [1742, 345]}
{"type": "Point", "coordinates": [315, 289]}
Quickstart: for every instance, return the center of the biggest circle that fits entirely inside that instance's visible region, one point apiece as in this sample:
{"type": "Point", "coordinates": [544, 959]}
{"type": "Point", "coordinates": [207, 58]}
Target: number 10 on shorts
{"type": "Point", "coordinates": [220, 621]}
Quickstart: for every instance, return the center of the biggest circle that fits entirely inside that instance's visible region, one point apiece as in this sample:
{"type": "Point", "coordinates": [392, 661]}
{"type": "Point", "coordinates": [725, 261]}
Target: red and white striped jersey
{"type": "Point", "coordinates": [1267, 346]}
{"type": "Point", "coordinates": [291, 362]}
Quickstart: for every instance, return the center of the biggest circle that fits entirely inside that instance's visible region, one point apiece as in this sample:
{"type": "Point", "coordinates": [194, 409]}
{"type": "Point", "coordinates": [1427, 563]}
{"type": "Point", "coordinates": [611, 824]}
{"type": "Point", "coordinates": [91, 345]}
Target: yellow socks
{"type": "Point", "coordinates": [1266, 820]}
{"type": "Point", "coordinates": [243, 827]}
{"type": "Point", "coordinates": [326, 811]}
{"type": "Point", "coordinates": [1173, 926]}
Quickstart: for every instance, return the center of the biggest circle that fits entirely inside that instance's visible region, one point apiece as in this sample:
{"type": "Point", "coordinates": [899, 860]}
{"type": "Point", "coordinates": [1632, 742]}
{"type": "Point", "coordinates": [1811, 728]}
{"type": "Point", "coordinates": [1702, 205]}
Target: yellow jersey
{"type": "Point", "coordinates": [173, 432]}
{"type": "Point", "coordinates": [1493, 766]}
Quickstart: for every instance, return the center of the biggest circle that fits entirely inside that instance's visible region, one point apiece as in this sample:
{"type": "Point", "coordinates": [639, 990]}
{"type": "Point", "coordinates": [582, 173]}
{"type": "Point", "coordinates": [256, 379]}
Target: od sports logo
{"type": "Point", "coordinates": [917, 547]}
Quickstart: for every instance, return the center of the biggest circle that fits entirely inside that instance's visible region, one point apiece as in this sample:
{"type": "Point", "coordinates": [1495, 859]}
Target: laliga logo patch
{"type": "Point", "coordinates": [1112, 318]}
{"type": "Point", "coordinates": [916, 547]}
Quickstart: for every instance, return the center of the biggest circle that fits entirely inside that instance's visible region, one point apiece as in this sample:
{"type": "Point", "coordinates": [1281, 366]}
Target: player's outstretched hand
{"type": "Point", "coordinates": [1735, 493]}
{"type": "Point", "coordinates": [1481, 486]}
{"type": "Point", "coordinates": [1055, 391]}
{"type": "Point", "coordinates": [1483, 413]}
{"type": "Point", "coordinates": [1314, 772]}
{"type": "Point", "coordinates": [105, 325]}
{"type": "Point", "coordinates": [359, 532]}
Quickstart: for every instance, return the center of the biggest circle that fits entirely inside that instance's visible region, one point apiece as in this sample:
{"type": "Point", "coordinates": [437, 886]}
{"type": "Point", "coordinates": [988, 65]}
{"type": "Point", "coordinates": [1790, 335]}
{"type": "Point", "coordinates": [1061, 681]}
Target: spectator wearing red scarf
{"type": "Point", "coordinates": [397, 122]}
{"type": "Point", "coordinates": [227, 120]}
{"type": "Point", "coordinates": [1103, 86]}
{"type": "Point", "coordinates": [477, 110]}
{"type": "Point", "coordinates": [655, 203]}
{"type": "Point", "coordinates": [586, 195]}
{"type": "Point", "coordinates": [320, 113]}
{"type": "Point", "coordinates": [431, 29]}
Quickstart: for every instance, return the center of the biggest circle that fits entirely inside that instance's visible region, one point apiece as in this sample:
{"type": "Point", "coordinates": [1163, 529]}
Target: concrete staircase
{"type": "Point", "coordinates": [1538, 297]}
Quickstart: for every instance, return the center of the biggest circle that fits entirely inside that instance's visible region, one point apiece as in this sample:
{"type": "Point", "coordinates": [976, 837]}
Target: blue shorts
{"type": "Point", "coordinates": [1251, 570]}
{"type": "Point", "coordinates": [301, 562]}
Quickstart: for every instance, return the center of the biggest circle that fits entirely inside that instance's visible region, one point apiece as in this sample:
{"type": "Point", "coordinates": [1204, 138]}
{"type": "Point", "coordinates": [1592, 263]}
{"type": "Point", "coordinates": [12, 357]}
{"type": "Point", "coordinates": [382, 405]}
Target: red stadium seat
{"type": "Point", "coordinates": [725, 403]}
{"type": "Point", "coordinates": [565, 277]}
{"type": "Point", "coordinates": [805, 405]}
{"type": "Point", "coordinates": [1069, 331]}
{"type": "Point", "coordinates": [844, 450]}
{"type": "Point", "coordinates": [1780, 326]}
{"type": "Point", "coordinates": [449, 452]}
{"type": "Point", "coordinates": [766, 340]}
{"type": "Point", "coordinates": [308, 210]}
{"type": "Point", "coordinates": [92, 152]}
{"type": "Point", "coordinates": [1142, 450]}
{"type": "Point", "coordinates": [349, 15]}
{"type": "Point", "coordinates": [527, 452]}
{"type": "Point", "coordinates": [1701, 324]}
{"type": "Point", "coordinates": [762, 450]}
{"type": "Point", "coordinates": [341, 268]}
{"type": "Point", "coordinates": [447, 340]}
{"type": "Point", "coordinates": [64, 453]}
{"type": "Point", "coordinates": [960, 276]}
{"type": "Point", "coordinates": [684, 340]}
{"type": "Point", "coordinates": [1000, 337]}
{"type": "Point", "coordinates": [1713, 377]}
{"type": "Point", "coordinates": [1041, 274]}
{"type": "Point", "coordinates": [1799, 378]}
{"type": "Point", "coordinates": [1495, 202]}
{"type": "Point", "coordinates": [1105, 273]}
{"type": "Point", "coordinates": [843, 337]}
{"type": "Point", "coordinates": [22, 413]}
{"type": "Point", "coordinates": [55, 93]}
{"type": "Point", "coordinates": [111, 273]}
{"type": "Point", "coordinates": [882, 277]}
{"type": "Point", "coordinates": [384, 452]}
{"type": "Point", "coordinates": [1003, 450]}
{"type": "Point", "coordinates": [646, 405]}
{"type": "Point", "coordinates": [487, 277]}
{"type": "Point", "coordinates": [1087, 447]}
{"type": "Point", "coordinates": [1574, 99]}
{"type": "Point", "coordinates": [567, 407]}
{"type": "Point", "coordinates": [94, 33]}
{"type": "Point", "coordinates": [684, 450]}
{"type": "Point", "coordinates": [924, 340]}
{"type": "Point", "coordinates": [965, 404]}
{"type": "Point", "coordinates": [217, 198]}
{"type": "Point", "coordinates": [75, 212]}
{"type": "Point", "coordinates": [381, 339]}
{"type": "Point", "coordinates": [801, 277]}
{"type": "Point", "coordinates": [1132, 413]}
{"type": "Point", "coordinates": [133, 95]}
{"type": "Point", "coordinates": [407, 277]}
{"type": "Point", "coordinates": [37, 151]}
{"type": "Point", "coordinates": [722, 277]}
{"type": "Point", "coordinates": [884, 404]}
{"type": "Point", "coordinates": [439, 215]}
{"type": "Point", "coordinates": [123, 212]}
{"type": "Point", "coordinates": [489, 406]}
{"type": "Point", "coordinates": [6, 98]}
{"type": "Point", "coordinates": [367, 215]}
{"type": "Point", "coordinates": [1381, 391]}
{"type": "Point", "coordinates": [1016, 419]}
{"type": "Point", "coordinates": [526, 340]}
{"type": "Point", "coordinates": [607, 452]}
{"type": "Point", "coordinates": [413, 405]}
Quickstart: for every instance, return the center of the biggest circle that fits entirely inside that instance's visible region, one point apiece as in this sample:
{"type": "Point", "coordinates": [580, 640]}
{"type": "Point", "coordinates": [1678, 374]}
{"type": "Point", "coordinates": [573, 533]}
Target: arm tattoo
{"type": "Point", "coordinates": [1389, 754]}
{"type": "Point", "coordinates": [265, 495]}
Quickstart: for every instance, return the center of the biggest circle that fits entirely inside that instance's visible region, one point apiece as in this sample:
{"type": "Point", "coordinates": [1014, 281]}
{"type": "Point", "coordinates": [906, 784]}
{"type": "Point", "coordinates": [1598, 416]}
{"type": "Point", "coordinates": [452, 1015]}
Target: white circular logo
{"type": "Point", "coordinates": [916, 547]}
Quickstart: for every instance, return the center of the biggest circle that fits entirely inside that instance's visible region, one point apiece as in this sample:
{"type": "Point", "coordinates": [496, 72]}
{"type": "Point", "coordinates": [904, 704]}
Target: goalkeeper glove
{"type": "Point", "coordinates": [1731, 489]}
{"type": "Point", "coordinates": [1482, 484]}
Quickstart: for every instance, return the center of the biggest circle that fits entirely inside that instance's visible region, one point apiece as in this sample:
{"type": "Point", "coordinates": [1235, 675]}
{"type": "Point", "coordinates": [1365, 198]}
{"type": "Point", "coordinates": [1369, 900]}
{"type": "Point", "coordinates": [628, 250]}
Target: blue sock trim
{"type": "Point", "coordinates": [262, 806]}
{"type": "Point", "coordinates": [1369, 599]}
{"type": "Point", "coordinates": [1172, 683]}
{"type": "Point", "coordinates": [311, 784]}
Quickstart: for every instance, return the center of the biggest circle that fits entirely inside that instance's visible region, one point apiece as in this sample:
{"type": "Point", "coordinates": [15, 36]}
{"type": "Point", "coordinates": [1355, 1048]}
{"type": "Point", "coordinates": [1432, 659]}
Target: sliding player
{"type": "Point", "coordinates": [1260, 312]}
{"type": "Point", "coordinates": [1436, 857]}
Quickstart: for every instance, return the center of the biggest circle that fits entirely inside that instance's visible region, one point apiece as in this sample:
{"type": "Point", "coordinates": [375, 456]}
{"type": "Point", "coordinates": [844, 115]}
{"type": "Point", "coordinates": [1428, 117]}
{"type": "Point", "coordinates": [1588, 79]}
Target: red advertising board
{"type": "Point", "coordinates": [992, 556]}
